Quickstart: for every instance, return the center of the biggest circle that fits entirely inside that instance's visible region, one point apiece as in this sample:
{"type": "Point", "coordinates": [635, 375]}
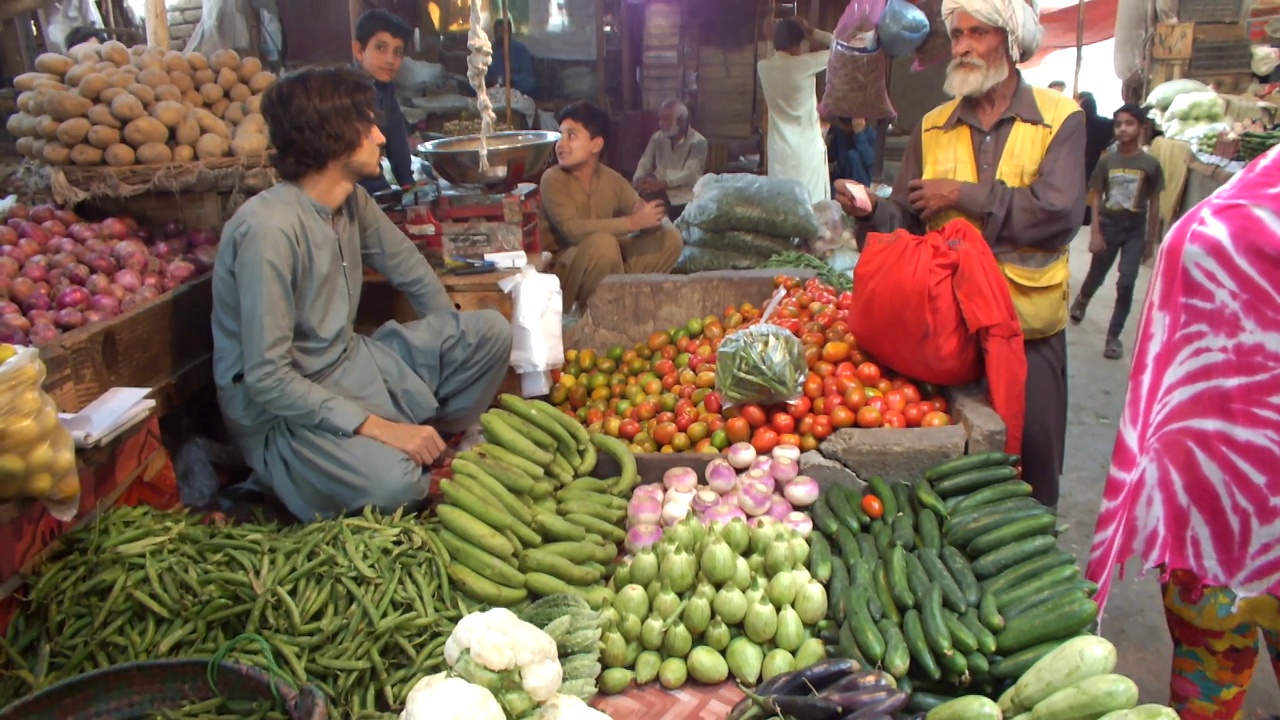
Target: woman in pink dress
{"type": "Point", "coordinates": [1194, 488]}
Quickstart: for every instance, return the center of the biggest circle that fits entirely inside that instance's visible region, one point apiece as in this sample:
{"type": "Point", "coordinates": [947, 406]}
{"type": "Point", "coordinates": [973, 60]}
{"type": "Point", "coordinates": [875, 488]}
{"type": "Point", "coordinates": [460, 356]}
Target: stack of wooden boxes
{"type": "Point", "coordinates": [662, 66]}
{"type": "Point", "coordinates": [728, 91]}
{"type": "Point", "coordinates": [1209, 43]}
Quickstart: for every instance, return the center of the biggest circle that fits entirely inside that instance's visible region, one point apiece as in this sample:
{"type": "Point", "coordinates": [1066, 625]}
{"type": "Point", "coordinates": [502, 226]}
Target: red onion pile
{"type": "Point", "coordinates": [59, 272]}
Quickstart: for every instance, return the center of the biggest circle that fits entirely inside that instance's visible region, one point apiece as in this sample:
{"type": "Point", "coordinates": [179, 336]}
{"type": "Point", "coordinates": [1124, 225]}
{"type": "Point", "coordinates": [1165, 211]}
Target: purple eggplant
{"type": "Point", "coordinates": [860, 699]}
{"type": "Point", "coordinates": [881, 708]}
{"type": "Point", "coordinates": [865, 680]}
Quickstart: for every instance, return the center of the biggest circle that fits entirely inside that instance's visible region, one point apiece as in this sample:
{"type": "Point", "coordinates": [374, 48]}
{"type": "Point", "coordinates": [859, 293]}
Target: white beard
{"type": "Point", "coordinates": [962, 82]}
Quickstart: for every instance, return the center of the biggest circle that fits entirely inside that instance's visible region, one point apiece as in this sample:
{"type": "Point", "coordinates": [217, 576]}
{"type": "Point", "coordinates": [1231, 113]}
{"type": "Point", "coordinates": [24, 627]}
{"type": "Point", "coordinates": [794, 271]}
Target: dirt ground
{"type": "Point", "coordinates": [1134, 618]}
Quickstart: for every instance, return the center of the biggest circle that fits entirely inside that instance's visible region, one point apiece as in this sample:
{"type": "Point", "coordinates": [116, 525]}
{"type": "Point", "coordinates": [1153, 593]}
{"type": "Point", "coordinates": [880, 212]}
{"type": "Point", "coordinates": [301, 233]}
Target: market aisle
{"type": "Point", "coordinates": [1134, 619]}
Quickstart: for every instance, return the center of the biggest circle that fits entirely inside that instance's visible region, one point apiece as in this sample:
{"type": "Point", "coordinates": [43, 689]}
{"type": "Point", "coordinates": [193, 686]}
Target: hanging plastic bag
{"type": "Point", "coordinates": [856, 84]}
{"type": "Point", "coordinates": [537, 342]}
{"type": "Point", "coordinates": [37, 455]}
{"type": "Point", "coordinates": [903, 27]}
{"type": "Point", "coordinates": [936, 307]}
{"type": "Point", "coordinates": [859, 16]}
{"type": "Point", "coordinates": [936, 47]}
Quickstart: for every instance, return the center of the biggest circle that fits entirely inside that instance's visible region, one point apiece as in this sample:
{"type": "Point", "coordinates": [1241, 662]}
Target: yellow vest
{"type": "Point", "coordinates": [1038, 280]}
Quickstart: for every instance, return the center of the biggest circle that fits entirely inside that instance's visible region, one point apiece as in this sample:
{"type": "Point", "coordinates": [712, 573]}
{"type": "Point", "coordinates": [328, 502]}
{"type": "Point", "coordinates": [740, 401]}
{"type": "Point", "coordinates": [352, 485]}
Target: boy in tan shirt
{"type": "Point", "coordinates": [599, 224]}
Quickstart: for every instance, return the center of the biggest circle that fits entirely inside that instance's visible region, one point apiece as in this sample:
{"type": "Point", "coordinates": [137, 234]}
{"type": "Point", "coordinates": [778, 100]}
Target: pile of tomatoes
{"type": "Point", "coordinates": [660, 395]}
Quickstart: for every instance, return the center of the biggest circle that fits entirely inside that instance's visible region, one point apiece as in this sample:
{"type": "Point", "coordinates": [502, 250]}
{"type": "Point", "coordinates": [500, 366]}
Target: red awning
{"type": "Point", "coordinates": [1060, 25]}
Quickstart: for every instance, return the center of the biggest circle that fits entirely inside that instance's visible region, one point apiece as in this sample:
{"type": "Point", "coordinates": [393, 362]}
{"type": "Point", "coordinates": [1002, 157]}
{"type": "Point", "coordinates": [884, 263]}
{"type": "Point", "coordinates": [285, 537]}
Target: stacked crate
{"type": "Point", "coordinates": [1209, 43]}
{"type": "Point", "coordinates": [662, 64]}
{"type": "Point", "coordinates": [728, 91]}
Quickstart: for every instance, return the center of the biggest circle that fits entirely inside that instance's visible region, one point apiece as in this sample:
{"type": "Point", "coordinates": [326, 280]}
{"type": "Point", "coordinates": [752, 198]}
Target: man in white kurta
{"type": "Point", "coordinates": [795, 146]}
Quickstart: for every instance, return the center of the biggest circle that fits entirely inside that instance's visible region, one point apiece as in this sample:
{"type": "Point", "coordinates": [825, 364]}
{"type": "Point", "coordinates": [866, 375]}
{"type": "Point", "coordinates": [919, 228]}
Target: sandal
{"type": "Point", "coordinates": [1077, 310]}
{"type": "Point", "coordinates": [1114, 349]}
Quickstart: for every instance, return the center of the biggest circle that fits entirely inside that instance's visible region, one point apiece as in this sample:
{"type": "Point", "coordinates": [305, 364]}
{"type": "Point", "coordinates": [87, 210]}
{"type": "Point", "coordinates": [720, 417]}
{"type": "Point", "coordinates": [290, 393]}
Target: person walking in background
{"type": "Point", "coordinates": [1192, 487]}
{"type": "Point", "coordinates": [793, 142]}
{"type": "Point", "coordinates": [1099, 134]}
{"type": "Point", "coordinates": [1058, 85]}
{"type": "Point", "coordinates": [852, 147]}
{"type": "Point", "coordinates": [1124, 186]}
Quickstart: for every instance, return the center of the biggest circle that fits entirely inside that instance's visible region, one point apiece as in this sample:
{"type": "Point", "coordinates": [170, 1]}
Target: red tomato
{"type": "Point", "coordinates": [868, 373]}
{"type": "Point", "coordinates": [754, 415]}
{"type": "Point", "coordinates": [738, 430]}
{"type": "Point", "coordinates": [666, 416]}
{"type": "Point", "coordinates": [820, 405]}
{"type": "Point", "coordinates": [782, 423]}
{"type": "Point", "coordinates": [803, 300]}
{"type": "Point", "coordinates": [936, 418]}
{"type": "Point", "coordinates": [872, 506]}
{"type": "Point", "coordinates": [841, 417]}
{"type": "Point", "coordinates": [939, 402]}
{"type": "Point", "coordinates": [813, 386]}
{"type": "Point", "coordinates": [895, 400]}
{"type": "Point", "coordinates": [855, 398]}
{"type": "Point", "coordinates": [800, 407]}
{"type": "Point", "coordinates": [894, 419]}
{"type": "Point", "coordinates": [845, 300]}
{"type": "Point", "coordinates": [712, 402]}
{"type": "Point", "coordinates": [827, 317]}
{"type": "Point", "coordinates": [814, 338]}
{"type": "Point", "coordinates": [804, 425]}
{"type": "Point", "coordinates": [877, 403]}
{"type": "Point", "coordinates": [832, 402]}
{"type": "Point", "coordinates": [911, 393]}
{"type": "Point", "coordinates": [765, 440]}
{"type": "Point", "coordinates": [812, 354]}
{"type": "Point", "coordinates": [683, 421]}
{"type": "Point", "coordinates": [847, 370]}
{"type": "Point", "coordinates": [664, 433]}
{"type": "Point", "coordinates": [822, 427]}
{"type": "Point", "coordinates": [831, 385]}
{"type": "Point", "coordinates": [913, 414]}
{"type": "Point", "coordinates": [884, 385]}
{"type": "Point", "coordinates": [870, 417]}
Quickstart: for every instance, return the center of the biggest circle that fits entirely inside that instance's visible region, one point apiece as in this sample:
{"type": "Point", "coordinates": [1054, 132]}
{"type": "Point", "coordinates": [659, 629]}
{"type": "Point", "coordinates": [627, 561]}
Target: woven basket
{"type": "Point", "coordinates": [70, 184]}
{"type": "Point", "coordinates": [135, 691]}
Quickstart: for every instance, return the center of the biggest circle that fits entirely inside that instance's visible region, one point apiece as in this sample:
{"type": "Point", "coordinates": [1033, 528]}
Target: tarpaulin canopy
{"type": "Point", "coordinates": [1060, 21]}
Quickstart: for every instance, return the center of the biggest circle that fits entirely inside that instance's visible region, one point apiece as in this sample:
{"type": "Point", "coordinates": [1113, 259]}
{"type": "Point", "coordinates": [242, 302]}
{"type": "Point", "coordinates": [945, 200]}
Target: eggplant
{"type": "Point", "coordinates": [880, 708]}
{"type": "Point", "coordinates": [744, 710]}
{"type": "Point", "coordinates": [865, 680]}
{"type": "Point", "coordinates": [802, 707]}
{"type": "Point", "coordinates": [821, 675]}
{"type": "Point", "coordinates": [860, 699]}
{"type": "Point", "coordinates": [772, 685]}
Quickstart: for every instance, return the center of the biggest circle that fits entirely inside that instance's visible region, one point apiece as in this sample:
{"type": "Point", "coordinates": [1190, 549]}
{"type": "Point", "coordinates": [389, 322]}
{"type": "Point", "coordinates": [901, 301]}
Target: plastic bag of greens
{"type": "Point", "coordinates": [761, 364]}
{"type": "Point", "coordinates": [698, 259]}
{"type": "Point", "coordinates": [737, 241]}
{"type": "Point", "coordinates": [752, 203]}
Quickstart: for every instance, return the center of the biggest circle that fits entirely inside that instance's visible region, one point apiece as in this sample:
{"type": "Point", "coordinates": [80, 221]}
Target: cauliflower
{"type": "Point", "coordinates": [508, 656]}
{"type": "Point", "coordinates": [440, 697]}
{"type": "Point", "coordinates": [569, 707]}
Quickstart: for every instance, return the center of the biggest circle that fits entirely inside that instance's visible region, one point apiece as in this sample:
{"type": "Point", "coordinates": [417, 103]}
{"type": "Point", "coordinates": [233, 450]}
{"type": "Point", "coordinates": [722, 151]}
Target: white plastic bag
{"type": "Point", "coordinates": [537, 342]}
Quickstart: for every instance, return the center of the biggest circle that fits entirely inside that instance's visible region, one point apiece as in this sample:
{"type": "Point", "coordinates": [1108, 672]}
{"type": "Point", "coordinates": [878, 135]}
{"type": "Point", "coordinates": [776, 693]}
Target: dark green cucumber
{"type": "Point", "coordinates": [999, 560]}
{"type": "Point", "coordinates": [823, 519]}
{"type": "Point", "coordinates": [881, 489]}
{"type": "Point", "coordinates": [891, 610]}
{"type": "Point", "coordinates": [989, 614]}
{"type": "Point", "coordinates": [849, 645]}
{"type": "Point", "coordinates": [838, 503]}
{"type": "Point", "coordinates": [897, 658]}
{"type": "Point", "coordinates": [867, 546]}
{"type": "Point", "coordinates": [904, 532]}
{"type": "Point", "coordinates": [930, 530]}
{"type": "Point", "coordinates": [958, 565]}
{"type": "Point", "coordinates": [994, 493]}
{"type": "Point", "coordinates": [986, 639]}
{"type": "Point", "coordinates": [1016, 665]}
{"type": "Point", "coordinates": [917, 579]}
{"type": "Point", "coordinates": [837, 590]}
{"type": "Point", "coordinates": [978, 664]}
{"type": "Point", "coordinates": [927, 498]}
{"type": "Point", "coordinates": [964, 464]}
{"type": "Point", "coordinates": [1026, 570]}
{"type": "Point", "coordinates": [935, 628]}
{"type": "Point", "coordinates": [1011, 533]}
{"type": "Point", "coordinates": [973, 480]}
{"type": "Point", "coordinates": [846, 545]}
{"type": "Point", "coordinates": [861, 575]}
{"type": "Point", "coordinates": [972, 525]}
{"type": "Point", "coordinates": [1058, 576]}
{"type": "Point", "coordinates": [1056, 620]}
{"type": "Point", "coordinates": [954, 667]}
{"type": "Point", "coordinates": [952, 596]}
{"type": "Point", "coordinates": [819, 557]}
{"type": "Point", "coordinates": [902, 497]}
{"type": "Point", "coordinates": [854, 498]}
{"type": "Point", "coordinates": [918, 646]}
{"type": "Point", "coordinates": [1031, 602]}
{"type": "Point", "coordinates": [961, 637]}
{"type": "Point", "coordinates": [898, 584]}
{"type": "Point", "coordinates": [870, 642]}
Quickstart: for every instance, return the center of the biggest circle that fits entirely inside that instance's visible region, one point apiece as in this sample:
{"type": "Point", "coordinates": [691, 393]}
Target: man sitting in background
{"type": "Point", "coordinates": [522, 76]}
{"type": "Point", "coordinates": [598, 222]}
{"type": "Point", "coordinates": [674, 159]}
{"type": "Point", "coordinates": [84, 34]}
{"type": "Point", "coordinates": [851, 145]}
{"type": "Point", "coordinates": [379, 46]}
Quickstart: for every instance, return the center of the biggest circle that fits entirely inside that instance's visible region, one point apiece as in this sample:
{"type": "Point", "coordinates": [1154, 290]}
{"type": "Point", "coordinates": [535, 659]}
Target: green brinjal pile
{"type": "Point", "coordinates": [957, 587]}
{"type": "Point", "coordinates": [521, 515]}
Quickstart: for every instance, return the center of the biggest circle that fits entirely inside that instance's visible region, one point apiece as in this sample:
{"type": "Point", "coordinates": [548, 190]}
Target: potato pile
{"type": "Point", "coordinates": [123, 106]}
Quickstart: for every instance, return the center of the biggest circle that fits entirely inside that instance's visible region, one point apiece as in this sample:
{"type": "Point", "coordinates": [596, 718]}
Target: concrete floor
{"type": "Point", "coordinates": [1134, 618]}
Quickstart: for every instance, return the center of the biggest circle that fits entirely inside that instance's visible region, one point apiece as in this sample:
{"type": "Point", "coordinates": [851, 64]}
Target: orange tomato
{"type": "Point", "coordinates": [789, 439]}
{"type": "Point", "coordinates": [841, 417]}
{"type": "Point", "coordinates": [868, 373]}
{"type": "Point", "coordinates": [812, 354]}
{"type": "Point", "coordinates": [704, 446]}
{"type": "Point", "coordinates": [808, 442]}
{"type": "Point", "coordinates": [855, 398]}
{"type": "Point", "coordinates": [884, 385]}
{"type": "Point", "coordinates": [872, 506]}
{"type": "Point", "coordinates": [754, 415]}
{"type": "Point", "coordinates": [824, 368]}
{"type": "Point", "coordinates": [664, 433]}
{"type": "Point", "coordinates": [813, 386]}
{"type": "Point", "coordinates": [816, 339]}
{"type": "Point", "coordinates": [836, 352]}
{"type": "Point", "coordinates": [659, 340]}
{"type": "Point", "coordinates": [937, 418]}
{"type": "Point", "coordinates": [870, 417]}
{"type": "Point", "coordinates": [738, 429]}
{"type": "Point", "coordinates": [765, 440]}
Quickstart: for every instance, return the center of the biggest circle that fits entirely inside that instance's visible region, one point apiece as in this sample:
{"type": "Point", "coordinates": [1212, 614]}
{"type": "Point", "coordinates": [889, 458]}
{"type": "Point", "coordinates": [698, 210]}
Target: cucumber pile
{"type": "Point", "coordinates": [1075, 680]}
{"type": "Point", "coordinates": [958, 584]}
{"type": "Point", "coordinates": [521, 515]}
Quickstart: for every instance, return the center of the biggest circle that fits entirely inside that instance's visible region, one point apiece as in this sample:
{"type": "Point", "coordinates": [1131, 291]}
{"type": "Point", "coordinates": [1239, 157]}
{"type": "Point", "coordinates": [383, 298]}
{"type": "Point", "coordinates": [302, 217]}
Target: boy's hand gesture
{"type": "Point", "coordinates": [1097, 245]}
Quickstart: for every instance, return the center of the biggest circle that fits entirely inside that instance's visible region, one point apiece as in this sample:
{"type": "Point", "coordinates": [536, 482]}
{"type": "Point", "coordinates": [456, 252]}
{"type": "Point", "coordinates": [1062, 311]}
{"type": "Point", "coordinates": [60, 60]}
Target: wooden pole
{"type": "Point", "coordinates": [1075, 86]}
{"type": "Point", "coordinates": [628, 62]}
{"type": "Point", "coordinates": [14, 8]}
{"type": "Point", "coordinates": [109, 13]}
{"type": "Point", "coordinates": [157, 21]}
{"type": "Point", "coordinates": [602, 93]}
{"type": "Point", "coordinates": [506, 57]}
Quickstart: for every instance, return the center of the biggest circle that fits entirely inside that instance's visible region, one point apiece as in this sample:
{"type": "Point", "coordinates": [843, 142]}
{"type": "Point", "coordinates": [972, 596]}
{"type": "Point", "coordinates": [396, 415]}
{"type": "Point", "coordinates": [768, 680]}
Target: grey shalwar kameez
{"type": "Point", "coordinates": [295, 380]}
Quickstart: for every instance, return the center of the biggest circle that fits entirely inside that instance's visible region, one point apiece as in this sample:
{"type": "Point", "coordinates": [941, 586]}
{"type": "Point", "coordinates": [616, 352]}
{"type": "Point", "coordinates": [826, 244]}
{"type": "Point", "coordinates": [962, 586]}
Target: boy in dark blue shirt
{"type": "Point", "coordinates": [522, 74]}
{"type": "Point", "coordinates": [379, 46]}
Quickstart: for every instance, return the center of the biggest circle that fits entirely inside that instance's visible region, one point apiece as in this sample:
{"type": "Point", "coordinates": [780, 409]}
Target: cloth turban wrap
{"type": "Point", "coordinates": [1019, 19]}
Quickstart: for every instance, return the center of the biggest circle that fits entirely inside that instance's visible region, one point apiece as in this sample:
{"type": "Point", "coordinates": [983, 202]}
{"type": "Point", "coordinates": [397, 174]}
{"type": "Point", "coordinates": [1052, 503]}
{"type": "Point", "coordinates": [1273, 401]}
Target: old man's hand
{"type": "Point", "coordinates": [931, 197]}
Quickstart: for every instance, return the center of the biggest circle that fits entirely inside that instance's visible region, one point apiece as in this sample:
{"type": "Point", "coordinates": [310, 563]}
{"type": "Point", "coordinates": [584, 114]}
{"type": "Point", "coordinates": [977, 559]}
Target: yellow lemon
{"type": "Point", "coordinates": [28, 375]}
{"type": "Point", "coordinates": [7, 352]}
{"type": "Point", "coordinates": [38, 485]}
{"type": "Point", "coordinates": [25, 403]}
{"type": "Point", "coordinates": [40, 458]}
{"type": "Point", "coordinates": [12, 467]}
{"type": "Point", "coordinates": [66, 488]}
{"type": "Point", "coordinates": [64, 460]}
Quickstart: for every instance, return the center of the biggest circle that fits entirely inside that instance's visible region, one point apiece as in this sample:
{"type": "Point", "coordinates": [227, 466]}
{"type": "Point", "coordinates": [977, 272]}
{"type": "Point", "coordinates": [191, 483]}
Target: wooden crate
{"type": "Point", "coordinates": [1173, 41]}
{"type": "Point", "coordinates": [166, 344]}
{"type": "Point", "coordinates": [195, 210]}
{"type": "Point", "coordinates": [1210, 11]}
{"type": "Point", "coordinates": [1166, 70]}
{"type": "Point", "coordinates": [1220, 48]}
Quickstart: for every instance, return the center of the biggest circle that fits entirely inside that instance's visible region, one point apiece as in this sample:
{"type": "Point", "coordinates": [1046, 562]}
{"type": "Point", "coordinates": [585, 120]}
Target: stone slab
{"type": "Point", "coordinates": [974, 412]}
{"type": "Point", "coordinates": [626, 309]}
{"type": "Point", "coordinates": [827, 472]}
{"type": "Point", "coordinates": [894, 454]}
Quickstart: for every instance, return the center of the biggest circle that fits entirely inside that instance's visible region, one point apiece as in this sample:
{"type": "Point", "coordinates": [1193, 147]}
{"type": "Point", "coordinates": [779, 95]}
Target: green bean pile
{"type": "Point", "coordinates": [359, 607]}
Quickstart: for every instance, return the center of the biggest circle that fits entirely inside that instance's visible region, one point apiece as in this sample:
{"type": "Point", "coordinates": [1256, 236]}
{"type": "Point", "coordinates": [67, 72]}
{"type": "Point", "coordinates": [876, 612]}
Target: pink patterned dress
{"type": "Point", "coordinates": [1195, 474]}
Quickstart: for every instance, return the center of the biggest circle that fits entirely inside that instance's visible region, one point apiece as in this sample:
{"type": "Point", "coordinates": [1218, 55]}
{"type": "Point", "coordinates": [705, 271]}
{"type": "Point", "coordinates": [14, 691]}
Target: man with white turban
{"type": "Point", "coordinates": [1008, 158]}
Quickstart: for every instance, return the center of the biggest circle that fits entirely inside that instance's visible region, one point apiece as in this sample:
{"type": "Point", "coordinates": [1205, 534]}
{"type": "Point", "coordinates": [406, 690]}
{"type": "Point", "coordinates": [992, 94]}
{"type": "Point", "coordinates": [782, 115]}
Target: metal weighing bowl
{"type": "Point", "coordinates": [514, 156]}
